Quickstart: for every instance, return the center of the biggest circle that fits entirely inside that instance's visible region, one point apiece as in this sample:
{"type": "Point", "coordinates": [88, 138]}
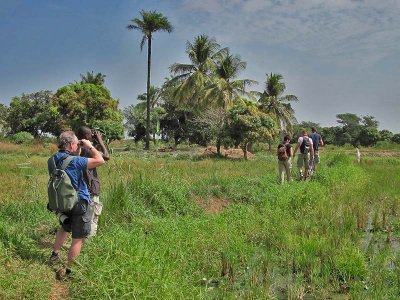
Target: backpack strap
{"type": "Point", "coordinates": [52, 165]}
{"type": "Point", "coordinates": [66, 161]}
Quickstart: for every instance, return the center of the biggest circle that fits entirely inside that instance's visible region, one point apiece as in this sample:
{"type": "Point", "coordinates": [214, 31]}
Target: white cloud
{"type": "Point", "coordinates": [355, 32]}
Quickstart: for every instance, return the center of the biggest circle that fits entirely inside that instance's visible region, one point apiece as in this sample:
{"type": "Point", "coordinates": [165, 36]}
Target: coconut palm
{"type": "Point", "coordinates": [97, 79]}
{"type": "Point", "coordinates": [225, 89]}
{"type": "Point", "coordinates": [155, 96]}
{"type": "Point", "coordinates": [273, 101]}
{"type": "Point", "coordinates": [190, 79]}
{"type": "Point", "coordinates": [150, 23]}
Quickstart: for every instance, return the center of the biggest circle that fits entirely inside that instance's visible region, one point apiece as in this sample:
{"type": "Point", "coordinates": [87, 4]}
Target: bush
{"type": "Point", "coordinates": [350, 264]}
{"type": "Point", "coordinates": [22, 137]}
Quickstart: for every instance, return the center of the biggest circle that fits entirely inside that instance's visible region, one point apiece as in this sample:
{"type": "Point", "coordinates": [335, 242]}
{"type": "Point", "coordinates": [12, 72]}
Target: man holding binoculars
{"type": "Point", "coordinates": [90, 175]}
{"type": "Point", "coordinates": [76, 221]}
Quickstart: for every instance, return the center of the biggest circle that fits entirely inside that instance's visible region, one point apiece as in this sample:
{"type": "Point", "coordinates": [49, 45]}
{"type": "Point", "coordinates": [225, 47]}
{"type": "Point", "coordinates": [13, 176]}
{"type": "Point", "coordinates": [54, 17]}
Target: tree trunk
{"type": "Point", "coordinates": [218, 146]}
{"type": "Point", "coordinates": [148, 93]}
{"type": "Point", "coordinates": [245, 151]}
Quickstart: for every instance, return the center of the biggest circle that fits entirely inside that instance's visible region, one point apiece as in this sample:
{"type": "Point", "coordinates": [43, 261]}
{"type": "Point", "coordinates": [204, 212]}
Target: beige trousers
{"type": "Point", "coordinates": [97, 207]}
{"type": "Point", "coordinates": [285, 168]}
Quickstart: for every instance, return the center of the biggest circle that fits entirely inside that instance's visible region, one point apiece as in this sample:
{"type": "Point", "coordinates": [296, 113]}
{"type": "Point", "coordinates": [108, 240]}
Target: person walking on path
{"type": "Point", "coordinates": [90, 175]}
{"type": "Point", "coordinates": [79, 216]}
{"type": "Point", "coordinates": [285, 153]}
{"type": "Point", "coordinates": [305, 144]}
{"type": "Point", "coordinates": [317, 141]}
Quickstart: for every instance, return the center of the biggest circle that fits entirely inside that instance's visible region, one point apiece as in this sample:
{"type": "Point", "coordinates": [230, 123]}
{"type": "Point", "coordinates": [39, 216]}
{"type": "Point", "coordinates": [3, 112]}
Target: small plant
{"type": "Point", "coordinates": [350, 264]}
{"type": "Point", "coordinates": [22, 137]}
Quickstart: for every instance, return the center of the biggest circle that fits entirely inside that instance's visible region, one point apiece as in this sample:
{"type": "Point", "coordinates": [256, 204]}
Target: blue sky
{"type": "Point", "coordinates": [337, 56]}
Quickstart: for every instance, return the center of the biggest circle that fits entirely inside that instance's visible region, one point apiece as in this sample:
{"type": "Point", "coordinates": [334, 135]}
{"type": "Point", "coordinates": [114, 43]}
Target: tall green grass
{"type": "Point", "coordinates": [336, 234]}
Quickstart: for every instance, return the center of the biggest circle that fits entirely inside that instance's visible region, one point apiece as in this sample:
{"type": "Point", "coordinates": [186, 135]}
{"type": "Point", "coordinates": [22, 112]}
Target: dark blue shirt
{"type": "Point", "coordinates": [316, 138]}
{"type": "Point", "coordinates": [75, 171]}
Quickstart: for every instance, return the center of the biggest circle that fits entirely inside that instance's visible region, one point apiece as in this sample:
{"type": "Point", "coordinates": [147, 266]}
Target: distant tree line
{"type": "Point", "coordinates": [352, 129]}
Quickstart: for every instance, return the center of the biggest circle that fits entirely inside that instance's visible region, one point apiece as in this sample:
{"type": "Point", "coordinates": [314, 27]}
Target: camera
{"type": "Point", "coordinates": [64, 219]}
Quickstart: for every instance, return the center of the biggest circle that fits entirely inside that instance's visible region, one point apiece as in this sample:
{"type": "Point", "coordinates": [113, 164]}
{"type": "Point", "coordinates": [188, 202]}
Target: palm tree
{"type": "Point", "coordinates": [225, 89]}
{"type": "Point", "coordinates": [155, 96]}
{"type": "Point", "coordinates": [97, 79]}
{"type": "Point", "coordinates": [190, 79]}
{"type": "Point", "coordinates": [272, 101]}
{"type": "Point", "coordinates": [150, 22]}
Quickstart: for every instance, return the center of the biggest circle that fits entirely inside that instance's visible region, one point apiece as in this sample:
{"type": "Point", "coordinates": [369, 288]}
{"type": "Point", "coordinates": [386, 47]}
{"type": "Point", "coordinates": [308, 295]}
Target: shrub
{"type": "Point", "coordinates": [350, 263]}
{"type": "Point", "coordinates": [22, 137]}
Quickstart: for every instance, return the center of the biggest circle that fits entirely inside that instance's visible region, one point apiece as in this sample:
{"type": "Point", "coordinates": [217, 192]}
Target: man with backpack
{"type": "Point", "coordinates": [305, 144]}
{"type": "Point", "coordinates": [284, 154]}
{"type": "Point", "coordinates": [317, 141]}
{"type": "Point", "coordinates": [90, 175]}
{"type": "Point", "coordinates": [76, 220]}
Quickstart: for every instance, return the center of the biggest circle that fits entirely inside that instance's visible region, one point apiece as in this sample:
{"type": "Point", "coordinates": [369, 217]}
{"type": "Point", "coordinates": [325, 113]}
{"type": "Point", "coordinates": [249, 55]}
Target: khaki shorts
{"type": "Point", "coordinates": [316, 157]}
{"type": "Point", "coordinates": [303, 160]}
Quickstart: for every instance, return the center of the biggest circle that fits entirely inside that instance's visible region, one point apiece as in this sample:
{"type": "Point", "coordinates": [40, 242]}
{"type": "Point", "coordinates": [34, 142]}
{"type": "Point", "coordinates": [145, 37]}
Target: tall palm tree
{"type": "Point", "coordinates": [273, 101]}
{"type": "Point", "coordinates": [190, 79]}
{"type": "Point", "coordinates": [150, 22]}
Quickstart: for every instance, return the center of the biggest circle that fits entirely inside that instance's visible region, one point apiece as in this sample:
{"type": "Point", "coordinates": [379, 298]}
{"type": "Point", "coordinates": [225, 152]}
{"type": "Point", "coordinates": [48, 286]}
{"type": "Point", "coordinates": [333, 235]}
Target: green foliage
{"type": "Point", "coordinates": [368, 136]}
{"type": "Point", "coordinates": [396, 138]}
{"type": "Point", "coordinates": [247, 124]}
{"type": "Point", "coordinates": [274, 102]}
{"type": "Point", "coordinates": [84, 104]}
{"type": "Point", "coordinates": [22, 137]}
{"type": "Point", "coordinates": [369, 122]}
{"type": "Point", "coordinates": [385, 135]}
{"type": "Point", "coordinates": [32, 113]}
{"type": "Point", "coordinates": [307, 125]}
{"type": "Point", "coordinates": [3, 119]}
{"type": "Point", "coordinates": [97, 79]}
{"type": "Point", "coordinates": [111, 129]}
{"type": "Point", "coordinates": [350, 264]}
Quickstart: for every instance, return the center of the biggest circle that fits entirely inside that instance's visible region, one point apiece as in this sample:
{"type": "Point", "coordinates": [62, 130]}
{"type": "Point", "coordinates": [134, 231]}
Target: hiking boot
{"type": "Point", "coordinates": [54, 259]}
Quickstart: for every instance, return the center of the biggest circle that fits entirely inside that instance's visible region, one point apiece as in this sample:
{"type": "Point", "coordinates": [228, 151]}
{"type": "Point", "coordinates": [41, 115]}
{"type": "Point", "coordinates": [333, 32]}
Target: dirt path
{"type": "Point", "coordinates": [213, 205]}
{"type": "Point", "coordinates": [59, 291]}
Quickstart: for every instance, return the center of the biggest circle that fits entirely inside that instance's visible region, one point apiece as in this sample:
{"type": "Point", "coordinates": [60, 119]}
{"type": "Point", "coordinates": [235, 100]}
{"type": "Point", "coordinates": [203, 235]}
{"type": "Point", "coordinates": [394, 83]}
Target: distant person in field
{"type": "Point", "coordinates": [305, 145]}
{"type": "Point", "coordinates": [79, 217]}
{"type": "Point", "coordinates": [90, 175]}
{"type": "Point", "coordinates": [285, 153]}
{"type": "Point", "coordinates": [317, 141]}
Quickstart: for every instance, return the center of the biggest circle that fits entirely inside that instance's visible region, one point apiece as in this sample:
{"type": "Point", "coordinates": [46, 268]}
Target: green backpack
{"type": "Point", "coordinates": [61, 192]}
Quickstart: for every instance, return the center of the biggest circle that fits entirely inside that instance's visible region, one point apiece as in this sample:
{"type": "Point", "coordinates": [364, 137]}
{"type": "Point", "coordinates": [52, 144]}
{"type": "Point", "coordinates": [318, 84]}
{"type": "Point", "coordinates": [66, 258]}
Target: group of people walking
{"type": "Point", "coordinates": [308, 157]}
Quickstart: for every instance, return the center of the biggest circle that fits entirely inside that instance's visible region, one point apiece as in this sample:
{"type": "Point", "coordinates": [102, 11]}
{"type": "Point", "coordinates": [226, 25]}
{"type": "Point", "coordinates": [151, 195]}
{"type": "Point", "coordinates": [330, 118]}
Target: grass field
{"type": "Point", "coordinates": [182, 227]}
